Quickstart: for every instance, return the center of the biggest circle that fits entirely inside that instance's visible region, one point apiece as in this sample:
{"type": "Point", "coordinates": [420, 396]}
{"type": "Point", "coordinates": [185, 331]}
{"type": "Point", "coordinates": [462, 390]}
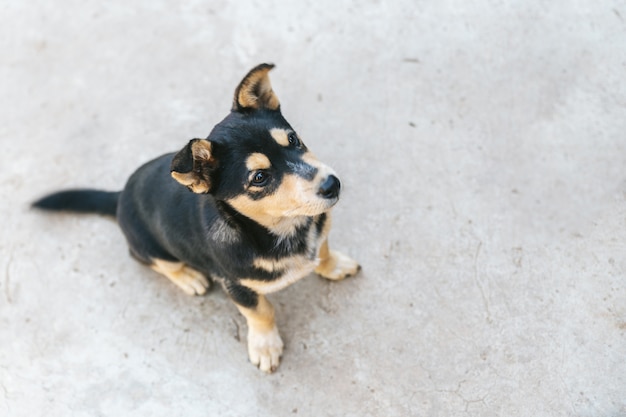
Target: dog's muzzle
{"type": "Point", "coordinates": [330, 187]}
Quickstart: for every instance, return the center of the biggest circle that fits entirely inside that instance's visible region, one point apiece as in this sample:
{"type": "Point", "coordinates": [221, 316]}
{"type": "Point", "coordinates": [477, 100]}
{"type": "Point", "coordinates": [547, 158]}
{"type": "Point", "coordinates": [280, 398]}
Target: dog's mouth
{"type": "Point", "coordinates": [327, 196]}
{"type": "Point", "coordinates": [311, 201]}
{"type": "Point", "coordinates": [310, 208]}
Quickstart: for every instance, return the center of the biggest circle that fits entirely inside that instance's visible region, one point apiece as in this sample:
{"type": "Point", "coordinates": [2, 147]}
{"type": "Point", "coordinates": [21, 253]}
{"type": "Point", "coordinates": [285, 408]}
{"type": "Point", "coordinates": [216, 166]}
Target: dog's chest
{"type": "Point", "coordinates": [287, 269]}
{"type": "Point", "coordinates": [290, 270]}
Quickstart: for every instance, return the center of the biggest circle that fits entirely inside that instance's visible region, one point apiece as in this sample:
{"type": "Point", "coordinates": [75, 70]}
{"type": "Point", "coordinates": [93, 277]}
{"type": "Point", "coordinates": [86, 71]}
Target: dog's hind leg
{"type": "Point", "coordinates": [188, 279]}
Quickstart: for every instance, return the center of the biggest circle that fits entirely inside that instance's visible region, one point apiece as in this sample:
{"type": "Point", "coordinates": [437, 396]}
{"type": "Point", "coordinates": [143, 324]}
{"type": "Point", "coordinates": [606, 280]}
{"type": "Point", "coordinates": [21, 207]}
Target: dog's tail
{"type": "Point", "coordinates": [81, 201]}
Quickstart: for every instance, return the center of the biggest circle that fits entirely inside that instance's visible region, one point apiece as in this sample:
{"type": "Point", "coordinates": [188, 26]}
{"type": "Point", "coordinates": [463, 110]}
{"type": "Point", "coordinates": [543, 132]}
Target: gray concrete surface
{"type": "Point", "coordinates": [482, 148]}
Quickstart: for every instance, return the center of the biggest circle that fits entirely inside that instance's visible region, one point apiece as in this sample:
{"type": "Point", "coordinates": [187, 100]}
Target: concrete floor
{"type": "Point", "coordinates": [482, 150]}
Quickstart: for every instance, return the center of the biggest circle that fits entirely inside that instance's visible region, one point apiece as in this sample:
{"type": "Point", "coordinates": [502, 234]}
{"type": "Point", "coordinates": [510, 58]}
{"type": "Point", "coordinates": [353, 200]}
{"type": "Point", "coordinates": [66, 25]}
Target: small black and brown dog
{"type": "Point", "coordinates": [256, 220]}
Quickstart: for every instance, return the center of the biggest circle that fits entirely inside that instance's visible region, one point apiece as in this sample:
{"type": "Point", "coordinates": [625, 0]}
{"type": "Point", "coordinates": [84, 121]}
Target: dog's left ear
{"type": "Point", "coordinates": [194, 166]}
{"type": "Point", "coordinates": [255, 91]}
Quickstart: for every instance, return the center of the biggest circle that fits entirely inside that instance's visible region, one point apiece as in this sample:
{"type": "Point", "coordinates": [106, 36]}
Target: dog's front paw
{"type": "Point", "coordinates": [337, 266]}
{"type": "Point", "coordinates": [265, 348]}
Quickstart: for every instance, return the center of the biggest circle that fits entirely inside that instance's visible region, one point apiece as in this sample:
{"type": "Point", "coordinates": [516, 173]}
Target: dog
{"type": "Point", "coordinates": [248, 207]}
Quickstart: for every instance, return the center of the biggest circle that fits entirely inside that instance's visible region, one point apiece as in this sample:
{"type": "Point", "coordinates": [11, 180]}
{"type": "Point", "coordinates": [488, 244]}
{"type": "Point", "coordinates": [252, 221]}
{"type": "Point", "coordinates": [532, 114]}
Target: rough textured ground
{"type": "Point", "coordinates": [482, 150]}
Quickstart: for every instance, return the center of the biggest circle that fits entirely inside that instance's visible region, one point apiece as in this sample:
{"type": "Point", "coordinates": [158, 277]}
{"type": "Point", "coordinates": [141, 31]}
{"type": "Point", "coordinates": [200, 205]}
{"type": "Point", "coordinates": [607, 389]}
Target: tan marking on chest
{"type": "Point", "coordinates": [290, 268]}
{"type": "Point", "coordinates": [295, 268]}
{"type": "Point", "coordinates": [271, 265]}
{"type": "Point", "coordinates": [280, 136]}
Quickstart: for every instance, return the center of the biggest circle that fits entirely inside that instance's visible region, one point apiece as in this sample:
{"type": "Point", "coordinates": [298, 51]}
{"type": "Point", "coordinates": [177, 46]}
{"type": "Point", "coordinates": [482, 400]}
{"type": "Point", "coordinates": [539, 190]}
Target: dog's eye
{"type": "Point", "coordinates": [260, 178]}
{"type": "Point", "coordinates": [293, 139]}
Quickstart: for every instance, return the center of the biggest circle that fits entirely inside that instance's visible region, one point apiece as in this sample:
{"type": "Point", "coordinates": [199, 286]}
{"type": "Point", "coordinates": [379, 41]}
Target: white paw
{"type": "Point", "coordinates": [265, 348]}
{"type": "Point", "coordinates": [191, 281]}
{"type": "Point", "coordinates": [338, 266]}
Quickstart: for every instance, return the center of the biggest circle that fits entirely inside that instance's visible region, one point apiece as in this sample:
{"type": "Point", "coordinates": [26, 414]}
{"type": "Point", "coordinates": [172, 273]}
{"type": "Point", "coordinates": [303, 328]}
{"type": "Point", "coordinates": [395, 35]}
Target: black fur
{"type": "Point", "coordinates": [81, 201]}
{"type": "Point", "coordinates": [209, 228]}
{"type": "Point", "coordinates": [163, 220]}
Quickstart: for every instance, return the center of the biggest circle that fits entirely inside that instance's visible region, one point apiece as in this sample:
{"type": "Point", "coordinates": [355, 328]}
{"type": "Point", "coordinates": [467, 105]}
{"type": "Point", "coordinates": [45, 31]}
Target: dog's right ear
{"type": "Point", "coordinates": [195, 165]}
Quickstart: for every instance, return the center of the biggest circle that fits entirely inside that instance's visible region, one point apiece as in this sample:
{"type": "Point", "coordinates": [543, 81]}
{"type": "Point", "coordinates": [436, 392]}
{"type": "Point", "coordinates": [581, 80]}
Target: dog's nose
{"type": "Point", "coordinates": [330, 187]}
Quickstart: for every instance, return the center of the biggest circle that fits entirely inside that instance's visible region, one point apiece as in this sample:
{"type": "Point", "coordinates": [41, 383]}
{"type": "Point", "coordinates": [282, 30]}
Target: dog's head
{"type": "Point", "coordinates": [255, 161]}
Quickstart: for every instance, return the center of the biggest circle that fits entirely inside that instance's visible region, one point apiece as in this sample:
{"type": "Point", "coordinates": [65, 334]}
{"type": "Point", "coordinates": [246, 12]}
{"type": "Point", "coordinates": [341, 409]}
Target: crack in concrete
{"type": "Point", "coordinates": [7, 279]}
{"type": "Point", "coordinates": [5, 392]}
{"type": "Point", "coordinates": [467, 401]}
{"type": "Point", "coordinates": [237, 331]}
{"type": "Point", "coordinates": [479, 285]}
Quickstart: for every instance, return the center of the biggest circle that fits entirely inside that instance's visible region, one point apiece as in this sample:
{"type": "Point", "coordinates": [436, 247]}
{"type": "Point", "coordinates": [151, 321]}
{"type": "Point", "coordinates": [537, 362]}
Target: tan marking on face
{"type": "Point", "coordinates": [280, 136]}
{"type": "Point", "coordinates": [257, 161]}
{"type": "Point", "coordinates": [311, 159]}
{"type": "Point", "coordinates": [282, 210]}
{"type": "Point", "coordinates": [323, 170]}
